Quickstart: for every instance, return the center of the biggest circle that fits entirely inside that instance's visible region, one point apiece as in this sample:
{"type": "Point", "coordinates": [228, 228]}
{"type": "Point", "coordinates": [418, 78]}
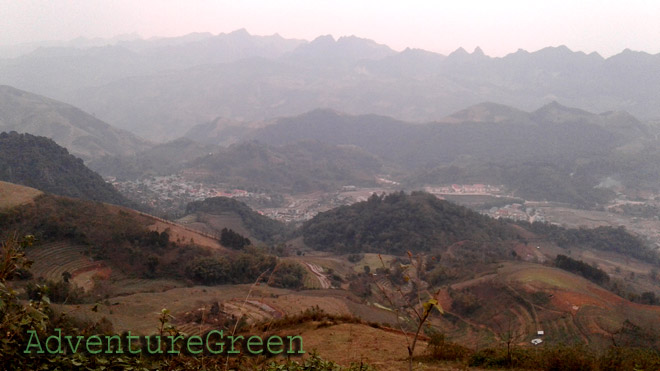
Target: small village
{"type": "Point", "coordinates": [170, 194]}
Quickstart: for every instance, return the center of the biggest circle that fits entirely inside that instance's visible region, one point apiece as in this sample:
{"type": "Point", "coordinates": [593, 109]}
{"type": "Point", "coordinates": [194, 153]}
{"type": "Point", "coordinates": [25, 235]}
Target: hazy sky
{"type": "Point", "coordinates": [497, 26]}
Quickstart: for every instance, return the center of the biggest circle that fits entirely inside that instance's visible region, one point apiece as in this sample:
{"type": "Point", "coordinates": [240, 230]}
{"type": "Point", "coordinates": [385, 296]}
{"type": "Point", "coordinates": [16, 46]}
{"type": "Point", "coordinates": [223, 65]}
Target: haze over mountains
{"type": "Point", "coordinates": [362, 108]}
{"type": "Point", "coordinates": [161, 88]}
{"type": "Point", "coordinates": [84, 135]}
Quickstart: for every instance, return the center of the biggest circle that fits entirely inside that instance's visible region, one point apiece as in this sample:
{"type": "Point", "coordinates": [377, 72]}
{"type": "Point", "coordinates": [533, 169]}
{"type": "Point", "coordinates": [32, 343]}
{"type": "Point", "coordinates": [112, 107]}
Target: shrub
{"type": "Point", "coordinates": [289, 275]}
{"type": "Point", "coordinates": [209, 270]}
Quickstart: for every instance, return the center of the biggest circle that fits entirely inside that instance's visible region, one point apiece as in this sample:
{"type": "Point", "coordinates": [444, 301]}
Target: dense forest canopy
{"type": "Point", "coordinates": [398, 222]}
{"type": "Point", "coordinates": [40, 163]}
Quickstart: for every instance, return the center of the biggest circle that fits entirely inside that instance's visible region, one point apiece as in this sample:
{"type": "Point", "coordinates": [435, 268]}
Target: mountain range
{"type": "Point", "coordinates": [161, 88]}
{"type": "Point", "coordinates": [554, 152]}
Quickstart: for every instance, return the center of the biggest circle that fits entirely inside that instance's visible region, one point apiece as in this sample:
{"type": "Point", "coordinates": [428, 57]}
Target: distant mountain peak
{"type": "Point", "coordinates": [321, 112]}
{"type": "Point", "coordinates": [324, 39]}
{"type": "Point", "coordinates": [459, 52]}
{"type": "Point", "coordinates": [240, 32]}
{"type": "Point", "coordinates": [349, 48]}
{"type": "Point", "coordinates": [560, 51]}
{"type": "Point", "coordinates": [554, 105]}
{"type": "Point", "coordinates": [487, 112]}
{"type": "Point", "coordinates": [351, 37]}
{"type": "Point", "coordinates": [556, 112]}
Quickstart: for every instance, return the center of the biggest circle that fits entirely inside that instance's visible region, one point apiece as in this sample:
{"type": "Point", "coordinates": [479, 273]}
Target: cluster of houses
{"type": "Point", "coordinates": [174, 187]}
{"type": "Point", "coordinates": [464, 189]}
{"type": "Point", "coordinates": [289, 215]}
{"type": "Point", "coordinates": [301, 209]}
{"type": "Point", "coordinates": [516, 212]}
{"type": "Point", "coordinates": [172, 193]}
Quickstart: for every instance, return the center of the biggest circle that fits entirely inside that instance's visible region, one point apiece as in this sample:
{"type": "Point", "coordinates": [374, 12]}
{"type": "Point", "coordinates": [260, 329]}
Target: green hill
{"type": "Point", "coordinates": [40, 163]}
{"type": "Point", "coordinates": [398, 222]}
{"type": "Point", "coordinates": [257, 225]}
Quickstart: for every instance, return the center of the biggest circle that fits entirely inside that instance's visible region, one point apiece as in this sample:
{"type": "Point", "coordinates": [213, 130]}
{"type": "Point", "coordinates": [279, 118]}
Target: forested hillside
{"type": "Point", "coordinates": [259, 226]}
{"type": "Point", "coordinates": [299, 167]}
{"type": "Point", "coordinates": [397, 223]}
{"type": "Point", "coordinates": [555, 153]}
{"type": "Point", "coordinates": [40, 163]}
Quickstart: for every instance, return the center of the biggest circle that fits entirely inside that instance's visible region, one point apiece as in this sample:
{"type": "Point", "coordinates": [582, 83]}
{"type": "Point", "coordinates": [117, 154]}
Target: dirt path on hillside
{"type": "Point", "coordinates": [318, 272]}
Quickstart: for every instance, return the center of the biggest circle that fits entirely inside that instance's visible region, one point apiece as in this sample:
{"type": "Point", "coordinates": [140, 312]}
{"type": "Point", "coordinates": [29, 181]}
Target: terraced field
{"type": "Point", "coordinates": [577, 310]}
{"type": "Point", "coordinates": [53, 259]}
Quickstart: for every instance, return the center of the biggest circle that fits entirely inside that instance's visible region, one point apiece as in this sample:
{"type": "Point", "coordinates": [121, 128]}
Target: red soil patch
{"type": "Point", "coordinates": [444, 299]}
{"type": "Point", "coordinates": [567, 301]}
{"type": "Point", "coordinates": [607, 296]}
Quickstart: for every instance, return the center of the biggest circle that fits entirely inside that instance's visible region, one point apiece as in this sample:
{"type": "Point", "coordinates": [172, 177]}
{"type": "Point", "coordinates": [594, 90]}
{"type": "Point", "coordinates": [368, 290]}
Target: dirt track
{"type": "Point", "coordinates": [317, 271]}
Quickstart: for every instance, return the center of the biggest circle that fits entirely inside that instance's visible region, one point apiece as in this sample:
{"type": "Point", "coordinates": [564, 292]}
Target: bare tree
{"type": "Point", "coordinates": [417, 303]}
{"type": "Point", "coordinates": [508, 334]}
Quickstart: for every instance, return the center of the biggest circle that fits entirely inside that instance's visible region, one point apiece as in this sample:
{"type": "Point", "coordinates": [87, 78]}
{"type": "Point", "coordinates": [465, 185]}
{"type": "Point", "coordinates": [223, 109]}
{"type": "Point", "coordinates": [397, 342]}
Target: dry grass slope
{"type": "Point", "coordinates": [12, 195]}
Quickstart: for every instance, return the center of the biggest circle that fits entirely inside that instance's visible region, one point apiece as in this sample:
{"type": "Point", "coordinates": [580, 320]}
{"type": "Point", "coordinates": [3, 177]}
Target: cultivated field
{"type": "Point", "coordinates": [531, 297]}
{"type": "Point", "coordinates": [139, 312]}
{"type": "Point", "coordinates": [53, 259]}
